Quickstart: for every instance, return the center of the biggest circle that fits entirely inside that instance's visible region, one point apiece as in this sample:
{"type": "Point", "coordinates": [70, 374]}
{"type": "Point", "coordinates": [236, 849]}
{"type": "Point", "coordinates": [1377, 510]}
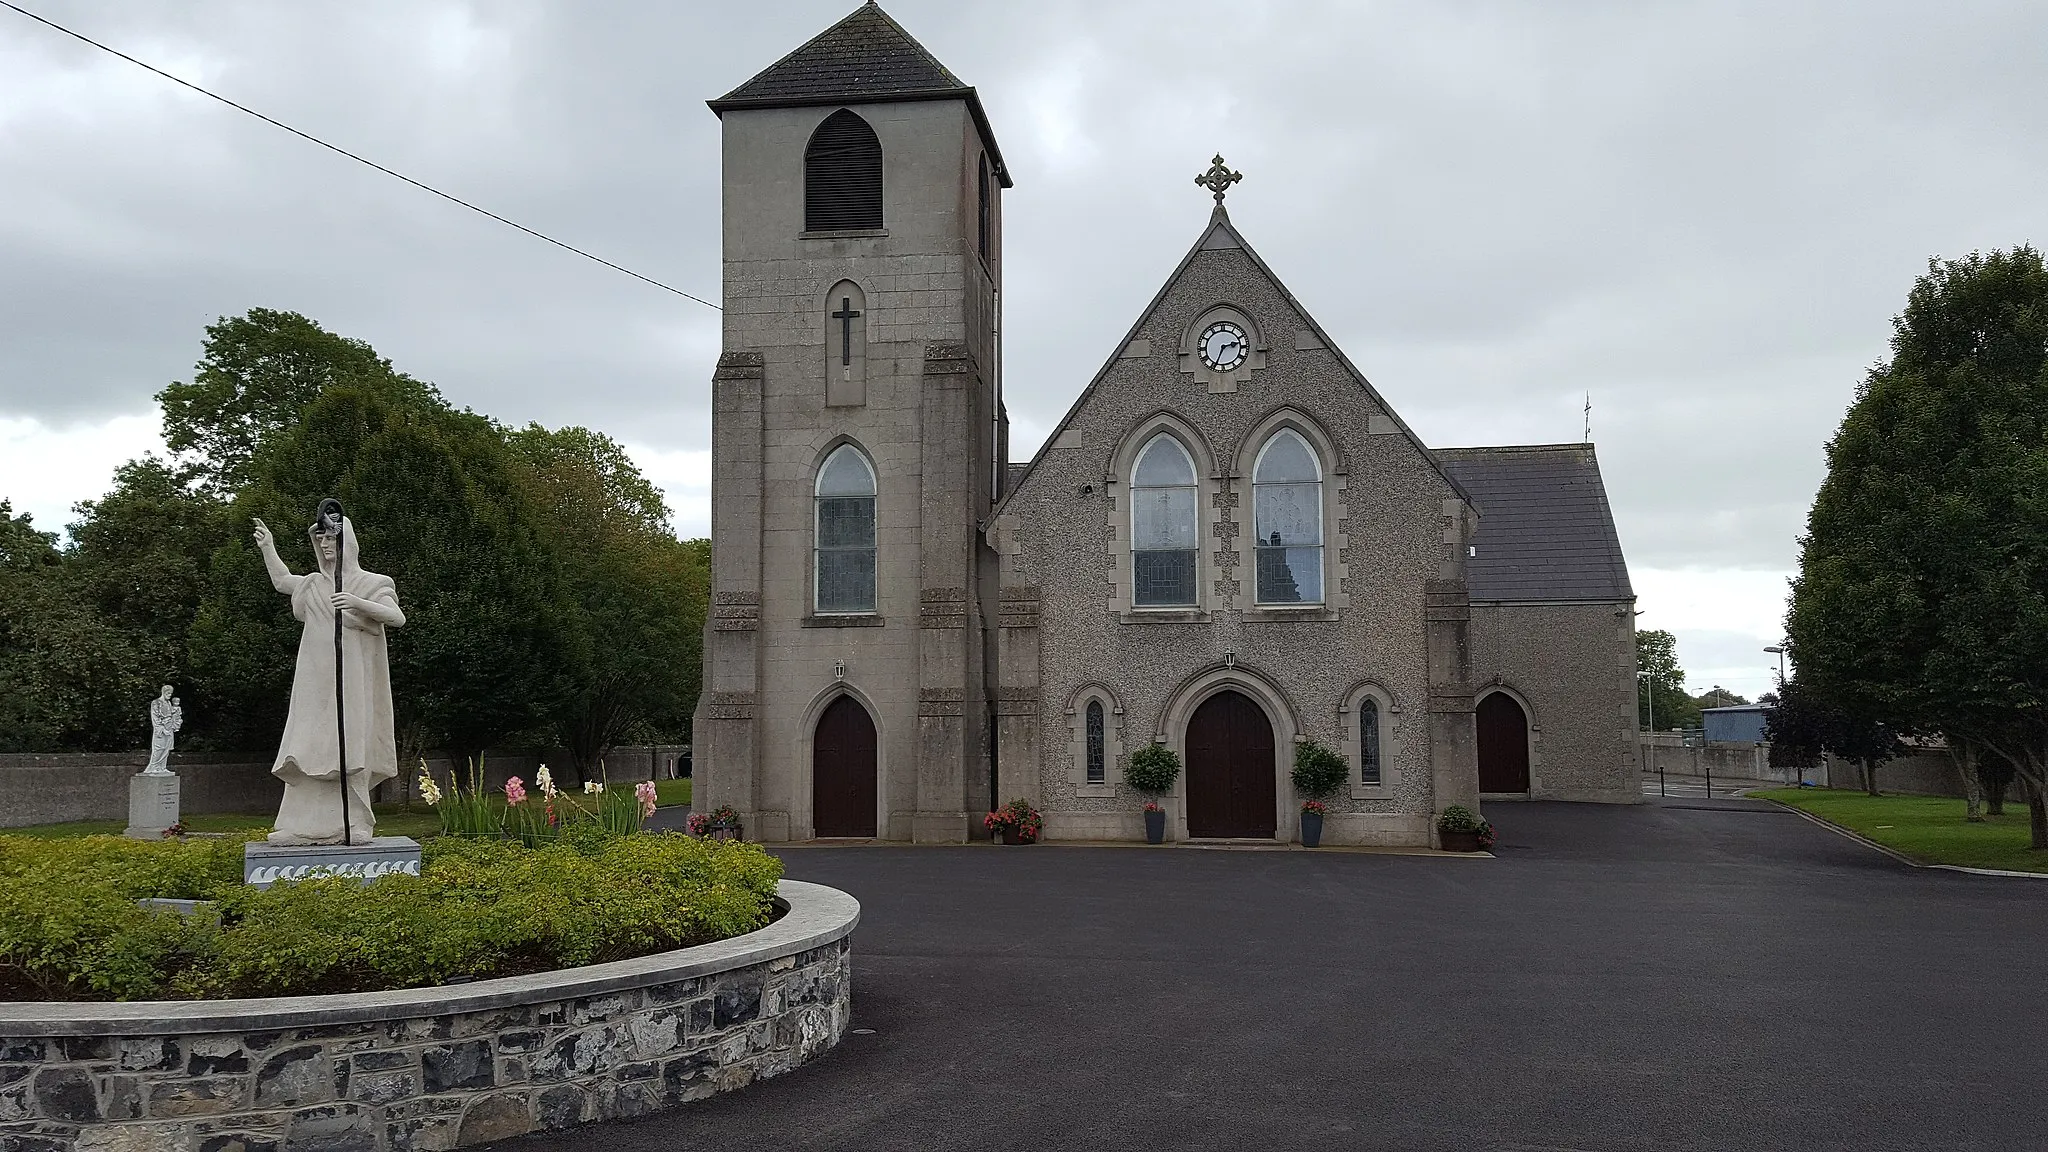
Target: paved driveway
{"type": "Point", "coordinates": [1688, 975]}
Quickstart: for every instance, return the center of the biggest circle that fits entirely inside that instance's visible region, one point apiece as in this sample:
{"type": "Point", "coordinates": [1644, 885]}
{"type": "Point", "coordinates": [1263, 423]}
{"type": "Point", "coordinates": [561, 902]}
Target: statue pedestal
{"type": "Point", "coordinates": [266, 864]}
{"type": "Point", "coordinates": [152, 805]}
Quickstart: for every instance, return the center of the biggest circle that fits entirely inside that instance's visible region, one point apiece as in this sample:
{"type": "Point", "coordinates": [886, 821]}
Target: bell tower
{"type": "Point", "coordinates": [858, 439]}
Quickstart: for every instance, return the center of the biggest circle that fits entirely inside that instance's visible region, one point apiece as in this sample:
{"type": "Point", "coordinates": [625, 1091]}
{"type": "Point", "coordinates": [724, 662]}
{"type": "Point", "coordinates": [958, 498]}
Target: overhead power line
{"type": "Point", "coordinates": [353, 156]}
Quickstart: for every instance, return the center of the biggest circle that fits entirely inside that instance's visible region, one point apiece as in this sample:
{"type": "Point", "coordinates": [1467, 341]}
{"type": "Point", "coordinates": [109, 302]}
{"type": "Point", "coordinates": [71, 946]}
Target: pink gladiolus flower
{"type": "Point", "coordinates": [645, 794]}
{"type": "Point", "coordinates": [515, 792]}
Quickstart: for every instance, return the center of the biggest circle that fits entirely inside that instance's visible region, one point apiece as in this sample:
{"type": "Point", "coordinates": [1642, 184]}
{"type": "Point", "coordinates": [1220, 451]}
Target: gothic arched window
{"type": "Point", "coordinates": [1097, 769]}
{"type": "Point", "coordinates": [1368, 741]}
{"type": "Point", "coordinates": [843, 175]}
{"type": "Point", "coordinates": [1287, 521]}
{"type": "Point", "coordinates": [845, 571]}
{"type": "Point", "coordinates": [1163, 533]}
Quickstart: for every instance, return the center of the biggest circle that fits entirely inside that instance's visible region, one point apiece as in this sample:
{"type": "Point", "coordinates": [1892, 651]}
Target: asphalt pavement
{"type": "Point", "coordinates": [1684, 974]}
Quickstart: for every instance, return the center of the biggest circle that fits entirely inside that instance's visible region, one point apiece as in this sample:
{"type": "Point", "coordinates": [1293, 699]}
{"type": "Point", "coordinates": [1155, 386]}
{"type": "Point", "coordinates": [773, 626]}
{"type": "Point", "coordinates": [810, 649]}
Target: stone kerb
{"type": "Point", "coordinates": [432, 1068]}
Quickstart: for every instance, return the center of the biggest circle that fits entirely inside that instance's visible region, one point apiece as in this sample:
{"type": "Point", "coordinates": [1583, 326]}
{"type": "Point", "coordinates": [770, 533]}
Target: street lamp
{"type": "Point", "coordinates": [1778, 650]}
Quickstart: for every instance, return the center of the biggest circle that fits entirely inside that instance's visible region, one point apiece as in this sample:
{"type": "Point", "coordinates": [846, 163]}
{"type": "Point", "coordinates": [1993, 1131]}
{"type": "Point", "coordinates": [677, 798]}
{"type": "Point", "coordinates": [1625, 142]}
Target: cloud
{"type": "Point", "coordinates": [1703, 213]}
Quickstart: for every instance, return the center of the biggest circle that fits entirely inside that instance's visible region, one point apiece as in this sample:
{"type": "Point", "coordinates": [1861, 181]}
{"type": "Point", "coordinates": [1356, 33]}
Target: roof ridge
{"type": "Point", "coordinates": [835, 63]}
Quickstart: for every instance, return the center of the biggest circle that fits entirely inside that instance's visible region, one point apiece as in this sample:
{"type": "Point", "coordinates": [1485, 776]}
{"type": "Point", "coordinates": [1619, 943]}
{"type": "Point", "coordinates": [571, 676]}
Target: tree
{"type": "Point", "coordinates": [487, 645]}
{"type": "Point", "coordinates": [641, 593]}
{"type": "Point", "coordinates": [1664, 701]}
{"type": "Point", "coordinates": [1805, 724]}
{"type": "Point", "coordinates": [256, 374]}
{"type": "Point", "coordinates": [1719, 697]}
{"type": "Point", "coordinates": [1922, 596]}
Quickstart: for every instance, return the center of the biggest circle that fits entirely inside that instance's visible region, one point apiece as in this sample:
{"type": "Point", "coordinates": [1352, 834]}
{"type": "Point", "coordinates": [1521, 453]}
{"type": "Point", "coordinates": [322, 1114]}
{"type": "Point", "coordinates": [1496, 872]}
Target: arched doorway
{"type": "Point", "coordinates": [1503, 745]}
{"type": "Point", "coordinates": [843, 796]}
{"type": "Point", "coordinates": [1230, 769]}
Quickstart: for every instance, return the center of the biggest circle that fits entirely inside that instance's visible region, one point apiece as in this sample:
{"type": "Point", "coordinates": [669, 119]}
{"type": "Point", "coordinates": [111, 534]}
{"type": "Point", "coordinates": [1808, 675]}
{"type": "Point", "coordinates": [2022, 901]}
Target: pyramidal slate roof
{"type": "Point", "coordinates": [865, 58]}
{"type": "Point", "coordinates": [1545, 531]}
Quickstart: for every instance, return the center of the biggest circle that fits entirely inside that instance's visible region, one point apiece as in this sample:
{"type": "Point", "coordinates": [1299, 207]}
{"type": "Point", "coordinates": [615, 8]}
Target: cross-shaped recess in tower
{"type": "Point", "coordinates": [846, 315]}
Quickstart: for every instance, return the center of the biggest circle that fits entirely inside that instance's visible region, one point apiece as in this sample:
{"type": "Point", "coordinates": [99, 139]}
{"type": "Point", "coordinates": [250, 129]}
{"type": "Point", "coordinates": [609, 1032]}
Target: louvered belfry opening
{"type": "Point", "coordinates": [843, 176]}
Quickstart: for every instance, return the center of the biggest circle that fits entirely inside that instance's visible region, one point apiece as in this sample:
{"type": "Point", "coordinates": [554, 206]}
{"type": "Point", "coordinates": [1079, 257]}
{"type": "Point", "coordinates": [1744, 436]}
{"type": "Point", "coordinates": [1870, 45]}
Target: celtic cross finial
{"type": "Point", "coordinates": [1218, 178]}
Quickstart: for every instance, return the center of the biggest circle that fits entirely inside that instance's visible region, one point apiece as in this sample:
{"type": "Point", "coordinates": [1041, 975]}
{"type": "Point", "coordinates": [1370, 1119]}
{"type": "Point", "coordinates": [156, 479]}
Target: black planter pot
{"type": "Point", "coordinates": [1155, 827]}
{"type": "Point", "coordinates": [1311, 829]}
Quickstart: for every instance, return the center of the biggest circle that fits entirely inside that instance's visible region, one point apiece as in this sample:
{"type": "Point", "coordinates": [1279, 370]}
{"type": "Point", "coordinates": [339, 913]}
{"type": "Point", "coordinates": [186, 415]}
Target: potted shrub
{"type": "Point", "coordinates": [1015, 823]}
{"type": "Point", "coordinates": [1318, 771]}
{"type": "Point", "coordinates": [1152, 770]}
{"type": "Point", "coordinates": [1460, 830]}
{"type": "Point", "coordinates": [721, 823]}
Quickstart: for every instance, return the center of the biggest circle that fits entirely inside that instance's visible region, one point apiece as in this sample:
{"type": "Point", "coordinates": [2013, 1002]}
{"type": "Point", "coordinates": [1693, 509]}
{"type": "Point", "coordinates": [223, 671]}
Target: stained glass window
{"type": "Point", "coordinates": [1163, 532]}
{"type": "Point", "coordinates": [1369, 741]}
{"type": "Point", "coordinates": [1096, 768]}
{"type": "Point", "coordinates": [846, 533]}
{"type": "Point", "coordinates": [1287, 519]}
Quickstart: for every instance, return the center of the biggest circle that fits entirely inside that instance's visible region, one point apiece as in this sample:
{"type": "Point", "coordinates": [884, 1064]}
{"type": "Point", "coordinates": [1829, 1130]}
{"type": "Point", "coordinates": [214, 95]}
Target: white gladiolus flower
{"type": "Point", "coordinates": [545, 781]}
{"type": "Point", "coordinates": [593, 788]}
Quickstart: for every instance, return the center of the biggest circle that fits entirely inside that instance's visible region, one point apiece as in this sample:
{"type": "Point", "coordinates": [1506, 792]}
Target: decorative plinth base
{"type": "Point", "coordinates": [266, 864]}
{"type": "Point", "coordinates": [152, 805]}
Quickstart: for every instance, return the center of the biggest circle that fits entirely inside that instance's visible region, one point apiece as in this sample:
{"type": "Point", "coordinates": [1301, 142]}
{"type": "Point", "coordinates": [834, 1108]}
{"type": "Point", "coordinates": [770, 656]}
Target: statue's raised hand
{"type": "Point", "coordinates": [262, 534]}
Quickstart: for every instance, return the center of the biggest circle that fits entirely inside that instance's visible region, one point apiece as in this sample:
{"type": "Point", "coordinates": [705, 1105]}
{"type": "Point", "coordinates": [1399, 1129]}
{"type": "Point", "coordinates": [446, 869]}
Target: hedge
{"type": "Point", "coordinates": [71, 927]}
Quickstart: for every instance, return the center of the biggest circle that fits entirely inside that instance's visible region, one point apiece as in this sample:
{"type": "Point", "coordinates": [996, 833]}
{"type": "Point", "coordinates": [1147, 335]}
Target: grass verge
{"type": "Point", "coordinates": [1929, 829]}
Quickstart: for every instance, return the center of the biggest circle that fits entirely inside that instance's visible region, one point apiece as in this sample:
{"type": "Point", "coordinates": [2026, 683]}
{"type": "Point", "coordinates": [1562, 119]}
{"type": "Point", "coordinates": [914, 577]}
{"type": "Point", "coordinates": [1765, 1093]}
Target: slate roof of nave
{"type": "Point", "coordinates": [865, 58]}
{"type": "Point", "coordinates": [1545, 530]}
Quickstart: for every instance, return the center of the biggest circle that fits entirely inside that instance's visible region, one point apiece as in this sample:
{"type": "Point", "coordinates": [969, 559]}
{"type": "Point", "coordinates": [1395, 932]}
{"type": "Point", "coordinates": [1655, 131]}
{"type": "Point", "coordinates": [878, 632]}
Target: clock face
{"type": "Point", "coordinates": [1224, 346]}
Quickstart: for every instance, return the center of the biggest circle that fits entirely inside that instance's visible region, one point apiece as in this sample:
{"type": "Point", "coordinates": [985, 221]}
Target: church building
{"type": "Point", "coordinates": [1230, 544]}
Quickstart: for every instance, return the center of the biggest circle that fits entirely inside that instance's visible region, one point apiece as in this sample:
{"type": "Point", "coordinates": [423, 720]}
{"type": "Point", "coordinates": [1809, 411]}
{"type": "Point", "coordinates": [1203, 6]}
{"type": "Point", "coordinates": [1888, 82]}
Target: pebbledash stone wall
{"type": "Point", "coordinates": [431, 1068]}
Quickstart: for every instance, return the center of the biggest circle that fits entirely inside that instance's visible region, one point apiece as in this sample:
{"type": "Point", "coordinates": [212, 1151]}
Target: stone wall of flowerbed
{"type": "Point", "coordinates": [431, 1068]}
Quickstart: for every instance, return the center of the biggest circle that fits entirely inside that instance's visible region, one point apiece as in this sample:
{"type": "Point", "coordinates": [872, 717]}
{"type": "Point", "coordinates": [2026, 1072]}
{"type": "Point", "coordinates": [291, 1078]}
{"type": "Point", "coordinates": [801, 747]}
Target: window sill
{"type": "Point", "coordinates": [844, 234]}
{"type": "Point", "coordinates": [1163, 616]}
{"type": "Point", "coordinates": [1094, 791]}
{"type": "Point", "coordinates": [1381, 791]}
{"type": "Point", "coordinates": [1279, 612]}
{"type": "Point", "coordinates": [847, 620]}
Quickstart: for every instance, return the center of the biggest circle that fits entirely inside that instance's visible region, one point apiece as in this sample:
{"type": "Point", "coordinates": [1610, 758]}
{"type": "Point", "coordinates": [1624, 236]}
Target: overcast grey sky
{"type": "Point", "coordinates": [1705, 214]}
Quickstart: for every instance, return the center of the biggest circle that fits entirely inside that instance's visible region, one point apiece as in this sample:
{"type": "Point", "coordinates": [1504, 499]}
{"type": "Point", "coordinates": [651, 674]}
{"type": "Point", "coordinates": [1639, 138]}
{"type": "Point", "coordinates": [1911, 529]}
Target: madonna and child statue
{"type": "Point", "coordinates": [338, 736]}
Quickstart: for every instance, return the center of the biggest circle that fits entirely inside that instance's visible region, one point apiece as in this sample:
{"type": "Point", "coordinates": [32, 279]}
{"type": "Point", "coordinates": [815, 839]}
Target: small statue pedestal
{"type": "Point", "coordinates": [152, 805]}
{"type": "Point", "coordinates": [266, 864]}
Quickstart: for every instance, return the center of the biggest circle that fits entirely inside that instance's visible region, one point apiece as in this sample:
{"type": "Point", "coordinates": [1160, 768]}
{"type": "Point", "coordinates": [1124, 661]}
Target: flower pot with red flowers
{"type": "Point", "coordinates": [1151, 771]}
{"type": "Point", "coordinates": [1015, 823]}
{"type": "Point", "coordinates": [721, 823]}
{"type": "Point", "coordinates": [1459, 829]}
{"type": "Point", "coordinates": [1155, 823]}
{"type": "Point", "coordinates": [1318, 771]}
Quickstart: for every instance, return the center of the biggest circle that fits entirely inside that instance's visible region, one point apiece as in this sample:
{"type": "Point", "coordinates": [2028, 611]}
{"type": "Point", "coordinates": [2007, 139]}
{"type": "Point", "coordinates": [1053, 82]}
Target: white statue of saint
{"type": "Point", "coordinates": [308, 760]}
{"type": "Point", "coordinates": [165, 718]}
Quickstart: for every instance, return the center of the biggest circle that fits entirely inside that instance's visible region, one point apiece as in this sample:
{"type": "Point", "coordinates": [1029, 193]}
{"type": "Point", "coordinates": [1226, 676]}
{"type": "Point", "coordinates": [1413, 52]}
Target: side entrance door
{"type": "Point", "coordinates": [843, 795]}
{"type": "Point", "coordinates": [1503, 745]}
{"type": "Point", "coordinates": [1230, 786]}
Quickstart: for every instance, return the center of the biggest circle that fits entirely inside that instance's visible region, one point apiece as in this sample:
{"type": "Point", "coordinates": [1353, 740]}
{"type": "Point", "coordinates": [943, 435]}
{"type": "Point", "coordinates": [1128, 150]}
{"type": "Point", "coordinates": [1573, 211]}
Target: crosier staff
{"type": "Point", "coordinates": [327, 522]}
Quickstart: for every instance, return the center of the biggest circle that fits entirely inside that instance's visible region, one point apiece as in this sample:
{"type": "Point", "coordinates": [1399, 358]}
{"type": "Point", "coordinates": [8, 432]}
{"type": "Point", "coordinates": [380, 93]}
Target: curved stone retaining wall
{"type": "Point", "coordinates": [431, 1068]}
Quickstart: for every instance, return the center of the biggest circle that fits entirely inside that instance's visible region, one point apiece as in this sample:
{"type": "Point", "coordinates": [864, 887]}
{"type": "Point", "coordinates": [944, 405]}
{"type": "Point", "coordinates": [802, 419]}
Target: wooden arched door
{"type": "Point", "coordinates": [1230, 787]}
{"type": "Point", "coordinates": [843, 795]}
{"type": "Point", "coordinates": [1503, 745]}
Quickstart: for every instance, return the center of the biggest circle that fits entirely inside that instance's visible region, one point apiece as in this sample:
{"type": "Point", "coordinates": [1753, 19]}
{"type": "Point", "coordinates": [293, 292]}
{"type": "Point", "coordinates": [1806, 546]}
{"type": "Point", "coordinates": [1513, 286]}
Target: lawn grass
{"type": "Point", "coordinates": [670, 793]}
{"type": "Point", "coordinates": [1930, 829]}
{"type": "Point", "coordinates": [415, 820]}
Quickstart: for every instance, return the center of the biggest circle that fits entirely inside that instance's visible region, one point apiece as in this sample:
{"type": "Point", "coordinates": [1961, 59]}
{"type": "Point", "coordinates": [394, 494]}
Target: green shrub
{"type": "Point", "coordinates": [1152, 769]}
{"type": "Point", "coordinates": [70, 927]}
{"type": "Point", "coordinates": [1318, 771]}
{"type": "Point", "coordinates": [1458, 818]}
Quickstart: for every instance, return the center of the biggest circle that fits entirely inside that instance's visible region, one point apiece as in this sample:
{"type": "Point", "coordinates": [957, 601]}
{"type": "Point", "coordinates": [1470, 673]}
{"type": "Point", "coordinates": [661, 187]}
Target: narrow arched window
{"type": "Point", "coordinates": [845, 532]}
{"type": "Point", "coordinates": [1368, 741]}
{"type": "Point", "coordinates": [1097, 770]}
{"type": "Point", "coordinates": [987, 222]}
{"type": "Point", "coordinates": [1287, 518]}
{"type": "Point", "coordinates": [842, 175]}
{"type": "Point", "coordinates": [1163, 533]}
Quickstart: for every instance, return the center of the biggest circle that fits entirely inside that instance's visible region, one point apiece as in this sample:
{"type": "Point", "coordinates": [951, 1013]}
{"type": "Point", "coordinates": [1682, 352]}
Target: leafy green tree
{"type": "Point", "coordinates": [1719, 697]}
{"type": "Point", "coordinates": [1922, 596]}
{"type": "Point", "coordinates": [640, 593]}
{"type": "Point", "coordinates": [256, 374]}
{"type": "Point", "coordinates": [1805, 724]}
{"type": "Point", "coordinates": [486, 649]}
{"type": "Point", "coordinates": [1662, 698]}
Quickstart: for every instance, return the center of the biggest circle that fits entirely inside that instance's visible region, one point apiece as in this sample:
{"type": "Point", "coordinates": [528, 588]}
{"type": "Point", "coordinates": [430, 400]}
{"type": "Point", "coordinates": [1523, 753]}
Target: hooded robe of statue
{"type": "Point", "coordinates": [308, 758]}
